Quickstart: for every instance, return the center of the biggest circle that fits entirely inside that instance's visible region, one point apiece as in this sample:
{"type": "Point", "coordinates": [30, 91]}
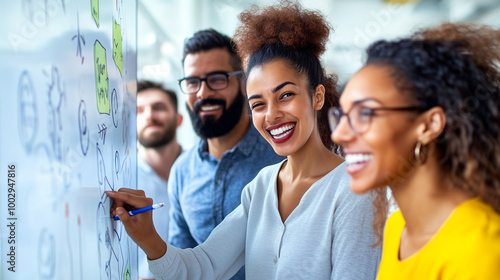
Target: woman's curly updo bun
{"type": "Point", "coordinates": [286, 23]}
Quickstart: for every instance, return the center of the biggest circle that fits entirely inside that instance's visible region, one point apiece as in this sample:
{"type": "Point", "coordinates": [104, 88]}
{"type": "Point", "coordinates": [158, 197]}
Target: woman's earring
{"type": "Point", "coordinates": [419, 154]}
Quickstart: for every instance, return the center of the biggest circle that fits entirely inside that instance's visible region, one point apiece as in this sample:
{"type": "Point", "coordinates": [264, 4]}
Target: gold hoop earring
{"type": "Point", "coordinates": [419, 155]}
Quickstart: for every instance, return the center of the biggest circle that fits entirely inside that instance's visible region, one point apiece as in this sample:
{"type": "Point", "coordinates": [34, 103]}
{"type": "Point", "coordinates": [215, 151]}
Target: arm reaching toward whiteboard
{"type": "Point", "coordinates": [139, 227]}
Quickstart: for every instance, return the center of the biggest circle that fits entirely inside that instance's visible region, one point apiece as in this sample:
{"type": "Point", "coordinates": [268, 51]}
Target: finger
{"type": "Point", "coordinates": [115, 203]}
{"type": "Point", "coordinates": [121, 203]}
{"type": "Point", "coordinates": [127, 198]}
{"type": "Point", "coordinates": [123, 215]}
{"type": "Point", "coordinates": [139, 192]}
{"type": "Point", "coordinates": [123, 198]}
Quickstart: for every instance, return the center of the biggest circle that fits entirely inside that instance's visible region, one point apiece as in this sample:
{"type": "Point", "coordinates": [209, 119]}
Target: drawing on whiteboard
{"type": "Point", "coordinates": [56, 100]}
{"type": "Point", "coordinates": [111, 259]}
{"type": "Point", "coordinates": [82, 125]}
{"type": "Point", "coordinates": [60, 90]}
{"type": "Point", "coordinates": [79, 38]}
{"type": "Point", "coordinates": [117, 163]}
{"type": "Point", "coordinates": [56, 96]}
{"type": "Point", "coordinates": [123, 167]}
{"type": "Point", "coordinates": [101, 173]}
{"type": "Point", "coordinates": [28, 115]}
{"type": "Point", "coordinates": [102, 132]}
{"type": "Point", "coordinates": [101, 78]}
{"type": "Point", "coordinates": [46, 255]}
{"type": "Point", "coordinates": [114, 107]}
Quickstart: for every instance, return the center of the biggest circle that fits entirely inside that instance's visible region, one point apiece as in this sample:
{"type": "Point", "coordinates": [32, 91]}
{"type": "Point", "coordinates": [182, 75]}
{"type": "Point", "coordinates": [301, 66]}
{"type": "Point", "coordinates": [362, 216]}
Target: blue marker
{"type": "Point", "coordinates": [140, 210]}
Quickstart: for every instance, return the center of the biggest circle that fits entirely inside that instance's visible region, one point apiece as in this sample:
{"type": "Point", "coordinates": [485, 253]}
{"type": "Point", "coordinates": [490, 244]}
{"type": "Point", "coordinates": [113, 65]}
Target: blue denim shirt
{"type": "Point", "coordinates": [203, 190]}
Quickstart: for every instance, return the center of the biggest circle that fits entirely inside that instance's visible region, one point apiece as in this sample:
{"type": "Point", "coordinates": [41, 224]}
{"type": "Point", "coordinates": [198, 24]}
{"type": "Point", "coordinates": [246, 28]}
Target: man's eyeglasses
{"type": "Point", "coordinates": [215, 81]}
{"type": "Point", "coordinates": [360, 116]}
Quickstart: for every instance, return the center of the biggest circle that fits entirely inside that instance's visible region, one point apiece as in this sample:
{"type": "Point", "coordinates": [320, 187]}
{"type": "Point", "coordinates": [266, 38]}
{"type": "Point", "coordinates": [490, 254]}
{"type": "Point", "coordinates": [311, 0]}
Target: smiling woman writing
{"type": "Point", "coordinates": [298, 218]}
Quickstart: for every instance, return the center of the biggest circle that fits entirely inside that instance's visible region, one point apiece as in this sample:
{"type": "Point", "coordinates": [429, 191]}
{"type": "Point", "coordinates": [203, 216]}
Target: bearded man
{"type": "Point", "coordinates": [157, 123]}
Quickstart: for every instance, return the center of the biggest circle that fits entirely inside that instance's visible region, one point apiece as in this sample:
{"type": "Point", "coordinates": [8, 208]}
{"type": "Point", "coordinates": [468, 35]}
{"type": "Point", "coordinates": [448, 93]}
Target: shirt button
{"type": "Point", "coordinates": [275, 259]}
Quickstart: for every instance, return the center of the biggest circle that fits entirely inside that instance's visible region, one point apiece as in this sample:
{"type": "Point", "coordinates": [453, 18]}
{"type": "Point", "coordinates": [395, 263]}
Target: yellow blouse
{"type": "Point", "coordinates": [467, 246]}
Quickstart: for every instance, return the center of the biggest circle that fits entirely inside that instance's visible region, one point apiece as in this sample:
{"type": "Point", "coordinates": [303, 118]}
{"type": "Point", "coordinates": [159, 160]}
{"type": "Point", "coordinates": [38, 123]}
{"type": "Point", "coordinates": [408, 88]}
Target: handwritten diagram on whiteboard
{"type": "Point", "coordinates": [68, 134]}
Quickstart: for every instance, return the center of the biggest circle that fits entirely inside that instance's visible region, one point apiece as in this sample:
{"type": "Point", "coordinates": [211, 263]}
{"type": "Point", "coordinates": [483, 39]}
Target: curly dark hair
{"type": "Point", "coordinates": [295, 36]}
{"type": "Point", "coordinates": [145, 85]}
{"type": "Point", "coordinates": [455, 67]}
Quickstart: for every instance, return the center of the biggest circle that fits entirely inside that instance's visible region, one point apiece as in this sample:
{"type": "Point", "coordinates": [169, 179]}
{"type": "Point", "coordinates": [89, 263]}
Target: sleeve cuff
{"type": "Point", "coordinates": [164, 264]}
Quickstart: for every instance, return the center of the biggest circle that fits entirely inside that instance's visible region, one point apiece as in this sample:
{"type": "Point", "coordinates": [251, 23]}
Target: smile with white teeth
{"type": "Point", "coordinates": [357, 158]}
{"type": "Point", "coordinates": [281, 132]}
{"type": "Point", "coordinates": [209, 108]}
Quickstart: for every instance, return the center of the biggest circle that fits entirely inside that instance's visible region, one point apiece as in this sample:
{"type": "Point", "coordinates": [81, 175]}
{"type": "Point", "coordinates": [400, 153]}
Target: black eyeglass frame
{"type": "Point", "coordinates": [205, 79]}
{"type": "Point", "coordinates": [338, 113]}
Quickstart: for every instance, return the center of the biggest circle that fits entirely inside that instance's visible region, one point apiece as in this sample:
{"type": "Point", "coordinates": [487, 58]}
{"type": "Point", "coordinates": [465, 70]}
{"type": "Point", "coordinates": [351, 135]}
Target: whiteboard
{"type": "Point", "coordinates": [68, 133]}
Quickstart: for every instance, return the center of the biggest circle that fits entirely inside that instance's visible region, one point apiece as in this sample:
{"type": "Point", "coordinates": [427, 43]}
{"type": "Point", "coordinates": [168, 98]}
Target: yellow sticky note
{"type": "Point", "coordinates": [117, 46]}
{"type": "Point", "coordinates": [95, 10]}
{"type": "Point", "coordinates": [101, 78]}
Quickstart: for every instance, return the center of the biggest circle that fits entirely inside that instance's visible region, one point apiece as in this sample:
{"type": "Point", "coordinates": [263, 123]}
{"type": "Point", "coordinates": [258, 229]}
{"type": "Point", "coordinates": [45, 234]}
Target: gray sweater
{"type": "Point", "coordinates": [328, 236]}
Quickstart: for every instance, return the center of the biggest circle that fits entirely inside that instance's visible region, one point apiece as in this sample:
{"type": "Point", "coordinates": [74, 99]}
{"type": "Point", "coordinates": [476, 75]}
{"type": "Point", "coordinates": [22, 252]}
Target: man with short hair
{"type": "Point", "coordinates": [157, 123]}
{"type": "Point", "coordinates": [206, 182]}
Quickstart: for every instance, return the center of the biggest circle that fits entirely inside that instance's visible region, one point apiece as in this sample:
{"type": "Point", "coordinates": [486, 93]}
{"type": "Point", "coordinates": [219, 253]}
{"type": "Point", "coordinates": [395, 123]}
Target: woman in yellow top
{"type": "Point", "coordinates": [423, 117]}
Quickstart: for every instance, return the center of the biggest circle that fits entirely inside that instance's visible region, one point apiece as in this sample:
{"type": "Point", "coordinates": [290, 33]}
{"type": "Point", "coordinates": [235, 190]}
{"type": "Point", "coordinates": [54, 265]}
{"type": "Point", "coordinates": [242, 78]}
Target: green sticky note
{"type": "Point", "coordinates": [94, 7]}
{"type": "Point", "coordinates": [117, 46]}
{"type": "Point", "coordinates": [101, 78]}
{"type": "Point", "coordinates": [127, 273]}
